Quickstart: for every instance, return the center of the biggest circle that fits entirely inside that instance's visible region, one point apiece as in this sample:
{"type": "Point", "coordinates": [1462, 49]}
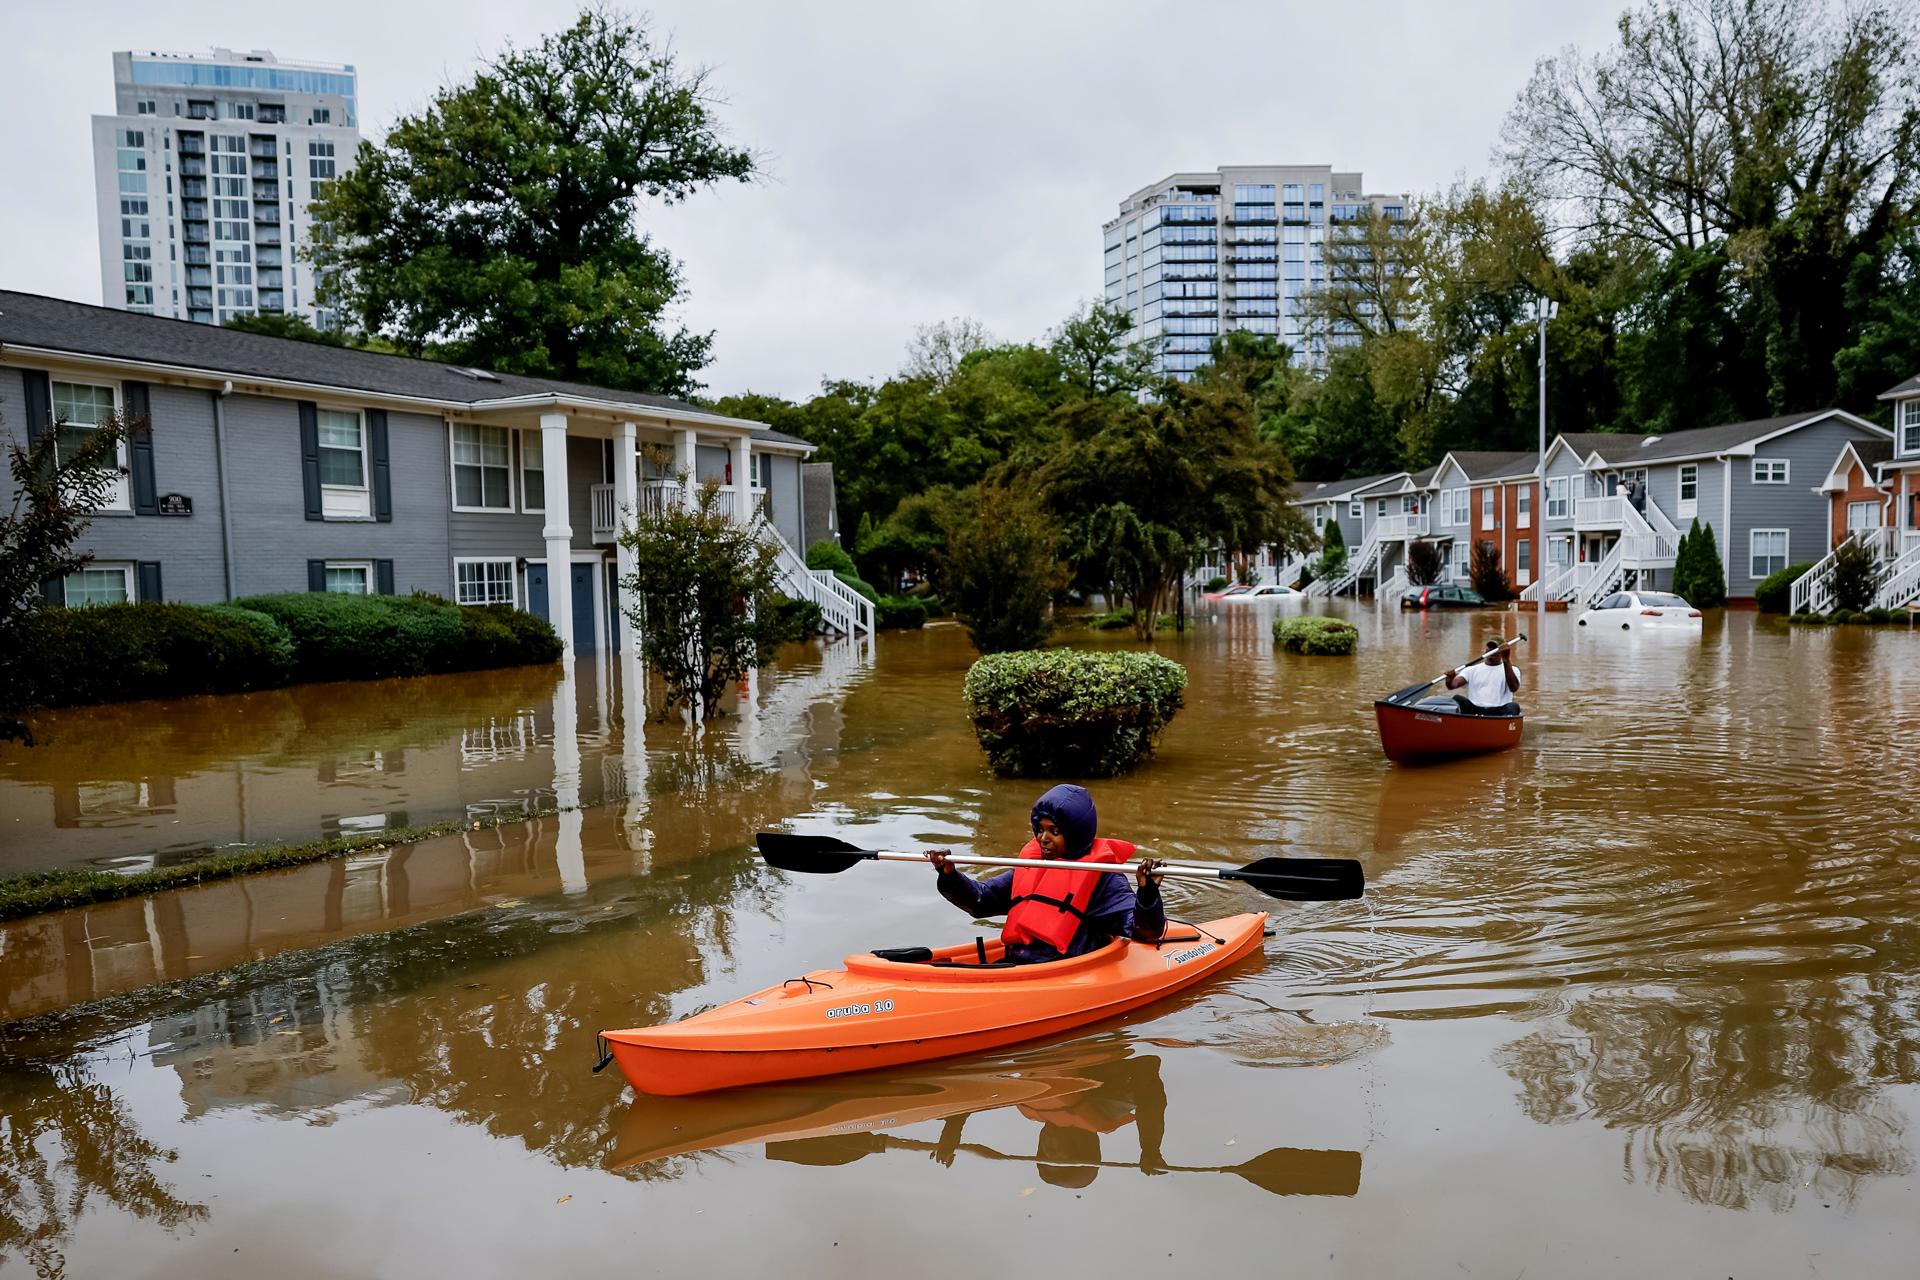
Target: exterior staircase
{"type": "Point", "coordinates": [1901, 585]}
{"type": "Point", "coordinates": [841, 607]}
{"type": "Point", "coordinates": [1362, 564]}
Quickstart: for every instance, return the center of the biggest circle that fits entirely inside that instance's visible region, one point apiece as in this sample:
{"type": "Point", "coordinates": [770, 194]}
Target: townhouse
{"type": "Point", "coordinates": [264, 464]}
{"type": "Point", "coordinates": [1872, 492]}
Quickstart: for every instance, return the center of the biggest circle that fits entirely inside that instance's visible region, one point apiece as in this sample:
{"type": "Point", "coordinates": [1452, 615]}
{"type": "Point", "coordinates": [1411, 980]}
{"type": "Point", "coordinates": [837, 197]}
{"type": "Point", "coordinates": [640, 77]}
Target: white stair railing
{"type": "Point", "coordinates": [1901, 586]}
{"type": "Point", "coordinates": [1289, 573]}
{"type": "Point", "coordinates": [1813, 590]}
{"type": "Point", "coordinates": [1358, 566]}
{"type": "Point", "coordinates": [1605, 577]}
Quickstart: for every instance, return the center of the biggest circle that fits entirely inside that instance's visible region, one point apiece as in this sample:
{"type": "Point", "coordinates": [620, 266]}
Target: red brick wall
{"type": "Point", "coordinates": [1859, 489]}
{"type": "Point", "coordinates": [1507, 536]}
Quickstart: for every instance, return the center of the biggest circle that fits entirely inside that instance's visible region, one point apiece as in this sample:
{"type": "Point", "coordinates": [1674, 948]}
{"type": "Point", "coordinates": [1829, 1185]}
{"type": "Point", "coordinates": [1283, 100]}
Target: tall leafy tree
{"type": "Point", "coordinates": [498, 227]}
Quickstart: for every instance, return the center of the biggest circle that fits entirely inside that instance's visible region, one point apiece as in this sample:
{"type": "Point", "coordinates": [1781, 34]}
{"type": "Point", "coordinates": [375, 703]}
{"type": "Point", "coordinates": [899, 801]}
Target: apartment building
{"type": "Point", "coordinates": [1872, 491]}
{"type": "Point", "coordinates": [268, 465]}
{"type": "Point", "coordinates": [1196, 255]}
{"type": "Point", "coordinates": [204, 173]}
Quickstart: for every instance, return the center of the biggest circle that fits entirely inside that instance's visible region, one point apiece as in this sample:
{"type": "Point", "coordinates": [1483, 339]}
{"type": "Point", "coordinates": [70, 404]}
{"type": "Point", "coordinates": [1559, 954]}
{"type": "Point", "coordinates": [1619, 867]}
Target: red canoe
{"type": "Point", "coordinates": [1434, 729]}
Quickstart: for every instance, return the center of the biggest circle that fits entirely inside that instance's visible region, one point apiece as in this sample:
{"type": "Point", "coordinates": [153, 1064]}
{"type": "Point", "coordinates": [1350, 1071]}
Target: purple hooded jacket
{"type": "Point", "coordinates": [1116, 910]}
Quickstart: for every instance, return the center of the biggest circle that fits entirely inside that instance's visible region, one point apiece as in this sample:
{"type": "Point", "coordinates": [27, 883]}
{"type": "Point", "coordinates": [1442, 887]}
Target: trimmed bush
{"type": "Point", "coordinates": [1809, 619]}
{"type": "Point", "coordinates": [899, 613]}
{"type": "Point", "coordinates": [122, 652]}
{"type": "Point", "coordinates": [499, 635]}
{"type": "Point", "coordinates": [1850, 617]}
{"type": "Point", "coordinates": [1316, 636]}
{"type": "Point", "coordinates": [344, 637]}
{"type": "Point", "coordinates": [1215, 583]}
{"type": "Point", "coordinates": [1887, 615]}
{"type": "Point", "coordinates": [799, 619]}
{"type": "Point", "coordinates": [1775, 592]}
{"type": "Point", "coordinates": [1069, 713]}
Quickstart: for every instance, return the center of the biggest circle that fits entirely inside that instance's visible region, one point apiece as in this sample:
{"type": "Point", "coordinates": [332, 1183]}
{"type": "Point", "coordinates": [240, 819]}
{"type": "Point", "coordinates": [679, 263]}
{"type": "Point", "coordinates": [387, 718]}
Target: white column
{"type": "Point", "coordinates": [742, 478]}
{"type": "Point", "coordinates": [633, 756]}
{"type": "Point", "coordinates": [685, 461]}
{"type": "Point", "coordinates": [558, 531]}
{"type": "Point", "coordinates": [626, 495]}
{"type": "Point", "coordinates": [569, 849]}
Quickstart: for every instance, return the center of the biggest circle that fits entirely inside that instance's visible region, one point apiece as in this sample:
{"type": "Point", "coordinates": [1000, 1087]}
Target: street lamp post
{"type": "Point", "coordinates": [1544, 562]}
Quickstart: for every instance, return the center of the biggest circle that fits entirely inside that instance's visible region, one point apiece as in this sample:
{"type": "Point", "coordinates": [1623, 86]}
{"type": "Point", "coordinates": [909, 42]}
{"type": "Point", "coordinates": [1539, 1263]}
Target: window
{"type": "Point", "coordinates": [1487, 520]}
{"type": "Point", "coordinates": [1766, 552]}
{"type": "Point", "coordinates": [1559, 552]}
{"type": "Point", "coordinates": [352, 578]}
{"type": "Point", "coordinates": [533, 472]}
{"type": "Point", "coordinates": [482, 477]}
{"type": "Point", "coordinates": [1380, 508]}
{"type": "Point", "coordinates": [1462, 507]}
{"type": "Point", "coordinates": [1910, 426]}
{"type": "Point", "coordinates": [343, 465]}
{"type": "Point", "coordinates": [1557, 498]}
{"type": "Point", "coordinates": [78, 408]}
{"type": "Point", "coordinates": [98, 584]}
{"type": "Point", "coordinates": [762, 470]}
{"type": "Point", "coordinates": [483, 581]}
{"type": "Point", "coordinates": [1523, 562]}
{"type": "Point", "coordinates": [1525, 513]}
{"type": "Point", "coordinates": [1689, 488]}
{"type": "Point", "coordinates": [1769, 470]}
{"type": "Point", "coordinates": [1355, 509]}
{"type": "Point", "coordinates": [1862, 515]}
{"type": "Point", "coordinates": [322, 115]}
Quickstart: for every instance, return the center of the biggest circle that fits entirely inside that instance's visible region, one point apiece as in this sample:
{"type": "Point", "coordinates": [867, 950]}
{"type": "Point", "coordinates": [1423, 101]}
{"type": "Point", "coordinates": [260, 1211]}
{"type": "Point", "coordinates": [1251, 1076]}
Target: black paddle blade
{"type": "Point", "coordinates": [1288, 1171]}
{"type": "Point", "coordinates": [1303, 879]}
{"type": "Point", "coordinates": [822, 855]}
{"type": "Point", "coordinates": [1411, 692]}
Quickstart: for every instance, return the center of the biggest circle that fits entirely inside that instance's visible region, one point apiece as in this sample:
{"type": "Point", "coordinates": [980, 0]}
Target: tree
{"type": "Point", "coordinates": [289, 325]}
{"type": "Point", "coordinates": [999, 567]}
{"type": "Point", "coordinates": [1333, 553]}
{"type": "Point", "coordinates": [703, 588]}
{"type": "Point", "coordinates": [1096, 355]}
{"type": "Point", "coordinates": [1854, 577]}
{"type": "Point", "coordinates": [1698, 576]}
{"type": "Point", "coordinates": [497, 227]}
{"type": "Point", "coordinates": [1488, 578]}
{"type": "Point", "coordinates": [936, 350]}
{"type": "Point", "coordinates": [60, 478]}
{"type": "Point", "coordinates": [1423, 563]}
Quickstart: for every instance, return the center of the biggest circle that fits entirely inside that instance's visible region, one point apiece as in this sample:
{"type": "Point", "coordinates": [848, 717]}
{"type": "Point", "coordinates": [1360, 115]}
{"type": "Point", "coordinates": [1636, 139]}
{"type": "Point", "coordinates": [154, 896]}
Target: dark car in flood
{"type": "Point", "coordinates": [1439, 597]}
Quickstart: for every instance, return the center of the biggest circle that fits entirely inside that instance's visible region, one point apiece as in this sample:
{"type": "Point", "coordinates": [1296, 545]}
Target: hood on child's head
{"type": "Point", "coordinates": [1072, 812]}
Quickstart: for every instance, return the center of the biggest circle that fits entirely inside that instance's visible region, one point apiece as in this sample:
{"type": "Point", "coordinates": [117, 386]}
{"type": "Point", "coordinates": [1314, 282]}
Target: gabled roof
{"type": "Point", "coordinates": [55, 325]}
{"type": "Point", "coordinates": [1331, 490]}
{"type": "Point", "coordinates": [1479, 464]}
{"type": "Point", "coordinates": [1911, 387]}
{"type": "Point", "coordinates": [1868, 453]}
{"type": "Point", "coordinates": [1728, 437]}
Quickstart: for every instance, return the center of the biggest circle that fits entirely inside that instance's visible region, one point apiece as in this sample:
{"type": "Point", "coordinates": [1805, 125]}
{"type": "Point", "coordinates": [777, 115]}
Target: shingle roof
{"type": "Point", "coordinates": [1873, 451]}
{"type": "Point", "coordinates": [1907, 388]}
{"type": "Point", "coordinates": [1322, 490]}
{"type": "Point", "coordinates": [1483, 464]}
{"type": "Point", "coordinates": [1587, 443]}
{"type": "Point", "coordinates": [28, 319]}
{"type": "Point", "coordinates": [1699, 440]}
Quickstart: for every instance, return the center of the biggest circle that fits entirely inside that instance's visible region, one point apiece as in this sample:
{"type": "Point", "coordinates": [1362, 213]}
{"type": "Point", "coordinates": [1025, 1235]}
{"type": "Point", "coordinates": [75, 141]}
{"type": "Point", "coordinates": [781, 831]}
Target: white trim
{"type": "Point", "coordinates": [1786, 550]}
{"type": "Point", "coordinates": [513, 578]}
{"type": "Point", "coordinates": [453, 478]}
{"type": "Point", "coordinates": [125, 568]}
{"type": "Point", "coordinates": [1686, 506]}
{"type": "Point", "coordinates": [574, 557]}
{"type": "Point", "coordinates": [350, 501]}
{"type": "Point", "coordinates": [121, 497]}
{"type": "Point", "coordinates": [1785, 466]}
{"type": "Point", "coordinates": [365, 566]}
{"type": "Point", "coordinates": [1901, 446]}
{"type": "Point", "coordinates": [1357, 509]}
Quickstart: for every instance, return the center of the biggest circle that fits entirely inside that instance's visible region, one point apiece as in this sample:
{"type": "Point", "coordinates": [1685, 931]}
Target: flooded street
{"type": "Point", "coordinates": [1642, 997]}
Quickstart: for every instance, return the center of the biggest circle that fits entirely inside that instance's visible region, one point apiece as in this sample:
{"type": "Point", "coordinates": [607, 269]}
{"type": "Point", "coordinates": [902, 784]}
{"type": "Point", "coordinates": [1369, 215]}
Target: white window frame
{"type": "Point", "coordinates": [453, 469]}
{"type": "Point", "coordinates": [1522, 562]}
{"type": "Point", "coordinates": [1559, 552]}
{"type": "Point", "coordinates": [1689, 475]}
{"type": "Point", "coordinates": [533, 498]}
{"type": "Point", "coordinates": [120, 490]}
{"type": "Point", "coordinates": [347, 501]}
{"type": "Point", "coordinates": [1909, 427]}
{"type": "Point", "coordinates": [1489, 510]}
{"type": "Point", "coordinates": [1380, 509]}
{"type": "Point", "coordinates": [1776, 471]}
{"type": "Point", "coordinates": [1564, 485]}
{"type": "Point", "coordinates": [129, 588]}
{"type": "Point", "coordinates": [1786, 550]}
{"type": "Point", "coordinates": [757, 464]}
{"type": "Point", "coordinates": [513, 579]}
{"type": "Point", "coordinates": [1462, 507]}
{"type": "Point", "coordinates": [364, 566]}
{"type": "Point", "coordinates": [1871, 507]}
{"type": "Point", "coordinates": [1356, 510]}
{"type": "Point", "coordinates": [1523, 517]}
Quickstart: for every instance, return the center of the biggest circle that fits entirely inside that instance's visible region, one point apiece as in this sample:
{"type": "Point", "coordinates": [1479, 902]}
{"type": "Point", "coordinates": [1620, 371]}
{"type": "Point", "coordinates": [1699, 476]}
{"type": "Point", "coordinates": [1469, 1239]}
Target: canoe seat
{"type": "Point", "coordinates": [904, 955]}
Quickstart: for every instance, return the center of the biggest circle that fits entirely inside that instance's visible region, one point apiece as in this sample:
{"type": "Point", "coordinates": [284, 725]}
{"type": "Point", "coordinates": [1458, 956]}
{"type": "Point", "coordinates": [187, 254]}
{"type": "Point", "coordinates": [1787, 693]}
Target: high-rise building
{"type": "Point", "coordinates": [1196, 255]}
{"type": "Point", "coordinates": [204, 174]}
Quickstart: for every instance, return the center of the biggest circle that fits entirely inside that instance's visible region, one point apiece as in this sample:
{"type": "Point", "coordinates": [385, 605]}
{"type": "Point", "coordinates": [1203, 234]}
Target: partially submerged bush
{"type": "Point", "coordinates": [1775, 592]}
{"type": "Point", "coordinates": [895, 613]}
{"type": "Point", "coordinates": [1315, 635]}
{"type": "Point", "coordinates": [348, 637]}
{"type": "Point", "coordinates": [1068, 713]}
{"type": "Point", "coordinates": [123, 652]}
{"type": "Point", "coordinates": [799, 619]}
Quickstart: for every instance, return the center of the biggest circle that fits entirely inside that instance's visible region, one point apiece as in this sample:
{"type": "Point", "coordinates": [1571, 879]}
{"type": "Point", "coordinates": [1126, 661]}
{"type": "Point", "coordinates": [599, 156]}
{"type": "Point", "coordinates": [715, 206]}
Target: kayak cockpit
{"type": "Point", "coordinates": [974, 961]}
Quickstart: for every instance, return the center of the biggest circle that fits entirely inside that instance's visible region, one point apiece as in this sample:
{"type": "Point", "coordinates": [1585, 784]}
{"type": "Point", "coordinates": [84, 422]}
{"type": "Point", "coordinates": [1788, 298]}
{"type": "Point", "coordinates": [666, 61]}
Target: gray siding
{"type": "Point", "coordinates": [586, 467]}
{"type": "Point", "coordinates": [1565, 463]}
{"type": "Point", "coordinates": [785, 499]}
{"type": "Point", "coordinates": [1792, 506]}
{"type": "Point", "coordinates": [273, 539]}
{"type": "Point", "coordinates": [822, 522]}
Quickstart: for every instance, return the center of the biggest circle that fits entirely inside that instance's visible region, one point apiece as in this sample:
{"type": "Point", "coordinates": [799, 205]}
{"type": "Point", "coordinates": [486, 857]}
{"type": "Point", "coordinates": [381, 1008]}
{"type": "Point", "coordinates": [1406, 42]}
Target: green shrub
{"type": "Point", "coordinates": [1887, 615]}
{"type": "Point", "coordinates": [1854, 577]}
{"type": "Point", "coordinates": [799, 619]}
{"type": "Point", "coordinates": [1316, 636]}
{"type": "Point", "coordinates": [832, 556]}
{"type": "Point", "coordinates": [860, 587]}
{"type": "Point", "coordinates": [345, 637]}
{"type": "Point", "coordinates": [1809, 619]}
{"type": "Point", "coordinates": [936, 607]}
{"type": "Point", "coordinates": [1111, 620]}
{"type": "Point", "coordinates": [499, 635]}
{"type": "Point", "coordinates": [122, 652]}
{"type": "Point", "coordinates": [1069, 713]}
{"type": "Point", "coordinates": [1215, 583]}
{"type": "Point", "coordinates": [899, 613]}
{"type": "Point", "coordinates": [1775, 592]}
{"type": "Point", "coordinates": [1849, 617]}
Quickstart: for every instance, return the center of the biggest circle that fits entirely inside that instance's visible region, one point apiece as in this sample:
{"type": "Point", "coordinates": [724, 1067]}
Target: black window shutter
{"type": "Point", "coordinates": [383, 577]}
{"type": "Point", "coordinates": [146, 495]}
{"type": "Point", "coordinates": [310, 458]}
{"type": "Point", "coordinates": [382, 475]}
{"type": "Point", "coordinates": [150, 582]}
{"type": "Point", "coordinates": [39, 403]}
{"type": "Point", "coordinates": [316, 575]}
{"type": "Point", "coordinates": [54, 591]}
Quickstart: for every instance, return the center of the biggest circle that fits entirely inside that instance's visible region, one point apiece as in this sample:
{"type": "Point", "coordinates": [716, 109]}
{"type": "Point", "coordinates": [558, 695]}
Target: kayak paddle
{"type": "Point", "coordinates": [1291, 879]}
{"type": "Point", "coordinates": [1413, 691]}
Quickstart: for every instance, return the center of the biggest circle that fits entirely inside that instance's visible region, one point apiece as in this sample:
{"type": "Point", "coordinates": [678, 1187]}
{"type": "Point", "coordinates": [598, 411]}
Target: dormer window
{"type": "Point", "coordinates": [1910, 426]}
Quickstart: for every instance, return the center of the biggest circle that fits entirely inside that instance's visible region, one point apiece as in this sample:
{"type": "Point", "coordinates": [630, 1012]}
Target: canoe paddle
{"type": "Point", "coordinates": [1283, 1171]}
{"type": "Point", "coordinates": [1413, 691]}
{"type": "Point", "coordinates": [1290, 879]}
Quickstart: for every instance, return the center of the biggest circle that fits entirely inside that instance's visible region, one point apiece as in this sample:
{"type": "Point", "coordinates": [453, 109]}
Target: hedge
{"type": "Point", "coordinates": [1775, 592]}
{"type": "Point", "coordinates": [1070, 713]}
{"type": "Point", "coordinates": [899, 613]}
{"type": "Point", "coordinates": [1328, 637]}
{"type": "Point", "coordinates": [348, 637]}
{"type": "Point", "coordinates": [1853, 618]}
{"type": "Point", "coordinates": [799, 619]}
{"type": "Point", "coordinates": [120, 652]}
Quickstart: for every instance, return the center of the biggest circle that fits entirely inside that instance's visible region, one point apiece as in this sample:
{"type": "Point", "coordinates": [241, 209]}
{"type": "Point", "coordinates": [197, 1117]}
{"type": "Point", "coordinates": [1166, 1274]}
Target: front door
{"type": "Point", "coordinates": [586, 631]}
{"type": "Point", "coordinates": [537, 591]}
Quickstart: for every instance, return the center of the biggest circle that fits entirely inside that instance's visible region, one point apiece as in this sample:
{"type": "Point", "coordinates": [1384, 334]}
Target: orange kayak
{"type": "Point", "coordinates": [879, 1012]}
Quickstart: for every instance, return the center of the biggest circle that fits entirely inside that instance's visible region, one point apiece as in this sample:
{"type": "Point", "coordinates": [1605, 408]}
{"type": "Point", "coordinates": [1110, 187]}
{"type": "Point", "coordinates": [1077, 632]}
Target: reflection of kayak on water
{"type": "Point", "coordinates": [1075, 1093]}
{"type": "Point", "coordinates": [887, 1011]}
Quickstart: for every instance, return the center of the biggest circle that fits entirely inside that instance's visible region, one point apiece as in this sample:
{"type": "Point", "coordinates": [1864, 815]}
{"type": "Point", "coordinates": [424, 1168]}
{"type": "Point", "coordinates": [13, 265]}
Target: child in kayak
{"type": "Point", "coordinates": [1054, 914]}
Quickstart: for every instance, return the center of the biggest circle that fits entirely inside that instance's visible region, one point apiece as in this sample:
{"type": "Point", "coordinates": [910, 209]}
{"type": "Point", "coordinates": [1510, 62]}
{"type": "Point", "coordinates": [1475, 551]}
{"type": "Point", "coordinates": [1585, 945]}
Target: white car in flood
{"type": "Point", "coordinates": [1643, 611]}
{"type": "Point", "coordinates": [1270, 591]}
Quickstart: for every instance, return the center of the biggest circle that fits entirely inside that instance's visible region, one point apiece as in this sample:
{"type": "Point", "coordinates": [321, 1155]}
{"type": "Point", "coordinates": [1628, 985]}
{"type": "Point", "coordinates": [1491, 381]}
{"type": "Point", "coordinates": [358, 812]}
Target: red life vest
{"type": "Point", "coordinates": [1049, 903]}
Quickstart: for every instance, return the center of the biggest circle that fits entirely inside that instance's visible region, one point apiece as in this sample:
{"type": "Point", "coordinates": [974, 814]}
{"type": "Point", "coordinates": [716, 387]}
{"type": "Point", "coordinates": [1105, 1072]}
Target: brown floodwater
{"type": "Point", "coordinates": [1642, 997]}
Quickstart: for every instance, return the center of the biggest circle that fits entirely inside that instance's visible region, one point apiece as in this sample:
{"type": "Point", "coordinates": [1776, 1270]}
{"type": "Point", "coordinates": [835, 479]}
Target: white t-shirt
{"type": "Point", "coordinates": [1487, 685]}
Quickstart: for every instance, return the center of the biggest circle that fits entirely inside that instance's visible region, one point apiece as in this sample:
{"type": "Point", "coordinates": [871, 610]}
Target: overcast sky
{"type": "Point", "coordinates": [924, 160]}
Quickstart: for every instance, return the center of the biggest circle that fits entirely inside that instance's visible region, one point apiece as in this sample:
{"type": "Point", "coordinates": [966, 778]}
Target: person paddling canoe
{"type": "Point", "coordinates": [1490, 684]}
{"type": "Point", "coordinates": [1054, 914]}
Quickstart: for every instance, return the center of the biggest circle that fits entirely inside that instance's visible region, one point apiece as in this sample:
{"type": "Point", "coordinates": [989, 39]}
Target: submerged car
{"type": "Point", "coordinates": [1439, 597]}
{"type": "Point", "coordinates": [1270, 591]}
{"type": "Point", "coordinates": [1643, 611]}
{"type": "Point", "coordinates": [1226, 593]}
